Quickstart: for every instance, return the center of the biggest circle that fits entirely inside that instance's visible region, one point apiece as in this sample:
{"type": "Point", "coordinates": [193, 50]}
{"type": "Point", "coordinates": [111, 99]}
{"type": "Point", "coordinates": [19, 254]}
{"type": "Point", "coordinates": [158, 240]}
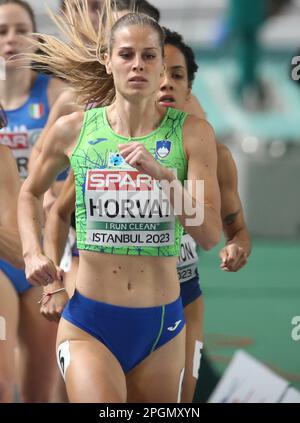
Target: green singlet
{"type": "Point", "coordinates": [120, 210]}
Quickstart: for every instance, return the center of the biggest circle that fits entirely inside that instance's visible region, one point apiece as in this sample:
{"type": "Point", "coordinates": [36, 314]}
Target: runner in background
{"type": "Point", "coordinates": [26, 97]}
{"type": "Point", "coordinates": [10, 250]}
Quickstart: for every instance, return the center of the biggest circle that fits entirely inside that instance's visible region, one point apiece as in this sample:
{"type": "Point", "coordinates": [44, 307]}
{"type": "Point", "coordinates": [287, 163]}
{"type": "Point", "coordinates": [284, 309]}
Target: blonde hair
{"type": "Point", "coordinates": [80, 59]}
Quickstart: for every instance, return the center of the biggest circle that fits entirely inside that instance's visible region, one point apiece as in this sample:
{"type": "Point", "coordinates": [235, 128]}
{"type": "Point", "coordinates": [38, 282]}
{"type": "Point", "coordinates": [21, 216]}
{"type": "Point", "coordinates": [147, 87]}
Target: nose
{"type": "Point", "coordinates": [138, 64]}
{"type": "Point", "coordinates": [166, 84]}
{"type": "Point", "coordinates": [11, 36]}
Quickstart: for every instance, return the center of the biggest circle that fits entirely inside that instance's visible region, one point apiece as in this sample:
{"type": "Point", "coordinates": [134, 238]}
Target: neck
{"type": "Point", "coordinates": [15, 89]}
{"type": "Point", "coordinates": [134, 119]}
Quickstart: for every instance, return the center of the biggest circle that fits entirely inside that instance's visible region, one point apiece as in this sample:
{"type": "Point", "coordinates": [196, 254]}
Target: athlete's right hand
{"type": "Point", "coordinates": [40, 270]}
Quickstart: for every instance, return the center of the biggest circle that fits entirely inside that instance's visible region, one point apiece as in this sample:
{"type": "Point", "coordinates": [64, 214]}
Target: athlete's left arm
{"type": "Point", "coordinates": [10, 244]}
{"type": "Point", "coordinates": [200, 148]}
{"type": "Point", "coordinates": [238, 244]}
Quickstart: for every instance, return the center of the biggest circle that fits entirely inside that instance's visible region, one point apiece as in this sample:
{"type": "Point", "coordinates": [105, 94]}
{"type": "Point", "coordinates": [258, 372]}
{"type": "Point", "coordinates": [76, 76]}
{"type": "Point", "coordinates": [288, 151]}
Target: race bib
{"type": "Point", "coordinates": [188, 260]}
{"type": "Point", "coordinates": [127, 208]}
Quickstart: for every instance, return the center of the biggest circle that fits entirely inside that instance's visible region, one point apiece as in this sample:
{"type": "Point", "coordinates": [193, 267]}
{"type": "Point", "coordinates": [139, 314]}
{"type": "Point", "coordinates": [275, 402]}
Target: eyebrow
{"type": "Point", "coordinates": [16, 24]}
{"type": "Point", "coordinates": [130, 48]}
{"type": "Point", "coordinates": [177, 67]}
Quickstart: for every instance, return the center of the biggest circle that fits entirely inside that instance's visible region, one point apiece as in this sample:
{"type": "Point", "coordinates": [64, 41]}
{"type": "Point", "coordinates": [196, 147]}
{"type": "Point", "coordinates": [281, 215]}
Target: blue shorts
{"type": "Point", "coordinates": [131, 334]}
{"type": "Point", "coordinates": [16, 276]}
{"type": "Point", "coordinates": [190, 291]}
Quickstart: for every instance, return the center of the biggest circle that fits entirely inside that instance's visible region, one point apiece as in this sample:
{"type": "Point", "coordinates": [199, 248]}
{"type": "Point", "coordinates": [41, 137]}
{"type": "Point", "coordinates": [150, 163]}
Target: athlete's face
{"type": "Point", "coordinates": [136, 61]}
{"type": "Point", "coordinates": [15, 22]}
{"type": "Point", "coordinates": [174, 90]}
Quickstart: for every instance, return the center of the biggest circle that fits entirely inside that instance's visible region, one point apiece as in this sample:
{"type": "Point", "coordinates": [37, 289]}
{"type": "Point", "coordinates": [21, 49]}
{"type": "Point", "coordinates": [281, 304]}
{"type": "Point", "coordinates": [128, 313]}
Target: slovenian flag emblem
{"type": "Point", "coordinates": [36, 110]}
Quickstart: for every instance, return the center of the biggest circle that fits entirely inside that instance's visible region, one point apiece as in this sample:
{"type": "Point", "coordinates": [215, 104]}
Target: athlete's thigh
{"type": "Point", "coordinates": [158, 378]}
{"type": "Point", "coordinates": [92, 373]}
{"type": "Point", "coordinates": [194, 342]}
{"type": "Point", "coordinates": [9, 316]}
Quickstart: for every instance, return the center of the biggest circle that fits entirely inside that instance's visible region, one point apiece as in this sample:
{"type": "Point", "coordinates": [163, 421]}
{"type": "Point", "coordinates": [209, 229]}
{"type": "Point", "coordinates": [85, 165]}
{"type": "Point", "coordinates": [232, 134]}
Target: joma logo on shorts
{"type": "Point", "coordinates": [104, 180]}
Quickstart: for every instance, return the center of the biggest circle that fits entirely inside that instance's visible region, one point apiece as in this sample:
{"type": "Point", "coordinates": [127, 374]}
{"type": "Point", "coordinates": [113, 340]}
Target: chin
{"type": "Point", "coordinates": [136, 94]}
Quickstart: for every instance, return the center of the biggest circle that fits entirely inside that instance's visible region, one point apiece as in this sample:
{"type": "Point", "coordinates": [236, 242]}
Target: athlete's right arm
{"type": "Point", "coordinates": [64, 105]}
{"type": "Point", "coordinates": [58, 221]}
{"type": "Point", "coordinates": [53, 159]}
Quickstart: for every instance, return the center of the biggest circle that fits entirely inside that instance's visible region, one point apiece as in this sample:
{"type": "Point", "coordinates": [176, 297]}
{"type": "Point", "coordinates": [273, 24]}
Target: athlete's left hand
{"type": "Point", "coordinates": [137, 156]}
{"type": "Point", "coordinates": [52, 306]}
{"type": "Point", "coordinates": [233, 258]}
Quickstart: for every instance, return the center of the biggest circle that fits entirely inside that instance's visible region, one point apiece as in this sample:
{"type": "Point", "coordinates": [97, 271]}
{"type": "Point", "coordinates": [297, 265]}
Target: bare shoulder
{"type": "Point", "coordinates": [55, 88]}
{"type": "Point", "coordinates": [223, 151]}
{"type": "Point", "coordinates": [198, 137]}
{"type": "Point", "coordinates": [71, 123]}
{"type": "Point", "coordinates": [68, 100]}
{"type": "Point", "coordinates": [193, 107]}
{"type": "Point", "coordinates": [227, 172]}
{"type": "Point", "coordinates": [57, 84]}
{"type": "Point", "coordinates": [66, 130]}
{"type": "Point", "coordinates": [198, 128]}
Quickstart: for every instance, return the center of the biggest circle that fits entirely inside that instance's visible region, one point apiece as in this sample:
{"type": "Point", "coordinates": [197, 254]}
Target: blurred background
{"type": "Point", "coordinates": [245, 50]}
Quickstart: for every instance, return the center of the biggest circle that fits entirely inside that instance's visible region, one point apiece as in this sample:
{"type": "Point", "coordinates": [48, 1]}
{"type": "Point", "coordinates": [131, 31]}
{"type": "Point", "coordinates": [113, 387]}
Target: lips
{"type": "Point", "coordinates": [10, 53]}
{"type": "Point", "coordinates": [167, 100]}
{"type": "Point", "coordinates": [137, 79]}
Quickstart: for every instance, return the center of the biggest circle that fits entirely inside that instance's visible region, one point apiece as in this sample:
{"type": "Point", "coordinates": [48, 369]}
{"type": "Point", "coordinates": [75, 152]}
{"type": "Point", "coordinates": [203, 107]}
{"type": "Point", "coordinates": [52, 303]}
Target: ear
{"type": "Point", "coordinates": [107, 64]}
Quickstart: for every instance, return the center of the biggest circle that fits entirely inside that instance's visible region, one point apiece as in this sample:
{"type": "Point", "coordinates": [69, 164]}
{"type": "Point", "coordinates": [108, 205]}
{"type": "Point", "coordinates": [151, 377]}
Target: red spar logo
{"type": "Point", "coordinates": [104, 180]}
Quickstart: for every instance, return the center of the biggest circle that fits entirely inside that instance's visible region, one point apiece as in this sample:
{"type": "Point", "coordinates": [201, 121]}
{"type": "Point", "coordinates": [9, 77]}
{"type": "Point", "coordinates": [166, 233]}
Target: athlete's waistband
{"type": "Point", "coordinates": [107, 308]}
